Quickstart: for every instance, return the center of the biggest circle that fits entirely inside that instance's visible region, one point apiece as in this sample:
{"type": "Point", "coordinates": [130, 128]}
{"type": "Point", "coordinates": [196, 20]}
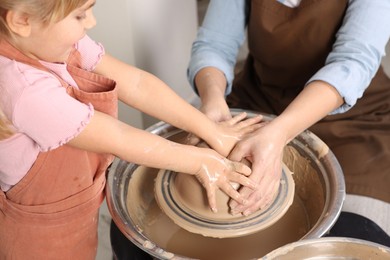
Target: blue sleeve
{"type": "Point", "coordinates": [219, 39]}
{"type": "Point", "coordinates": [358, 50]}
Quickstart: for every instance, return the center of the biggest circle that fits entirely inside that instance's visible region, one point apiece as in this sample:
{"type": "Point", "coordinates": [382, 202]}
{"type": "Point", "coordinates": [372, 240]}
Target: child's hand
{"type": "Point", "coordinates": [231, 131]}
{"type": "Point", "coordinates": [217, 172]}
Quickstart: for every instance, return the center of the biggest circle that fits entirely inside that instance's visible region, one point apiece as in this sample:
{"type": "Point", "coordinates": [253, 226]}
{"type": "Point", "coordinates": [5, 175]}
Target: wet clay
{"type": "Point", "coordinates": [182, 198]}
{"type": "Point", "coordinates": [161, 230]}
{"type": "Point", "coordinates": [190, 193]}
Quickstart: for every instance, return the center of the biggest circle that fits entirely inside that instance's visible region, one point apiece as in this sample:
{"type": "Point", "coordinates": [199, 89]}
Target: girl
{"type": "Point", "coordinates": [58, 96]}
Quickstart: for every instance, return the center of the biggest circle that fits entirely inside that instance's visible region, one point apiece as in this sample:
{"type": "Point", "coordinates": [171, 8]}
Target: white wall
{"type": "Point", "coordinates": [154, 35]}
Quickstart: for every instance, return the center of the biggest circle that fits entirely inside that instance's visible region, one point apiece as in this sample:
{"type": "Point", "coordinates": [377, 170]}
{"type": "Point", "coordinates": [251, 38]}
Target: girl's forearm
{"type": "Point", "coordinates": [171, 108]}
{"type": "Point", "coordinates": [157, 152]}
{"type": "Point", "coordinates": [105, 134]}
{"type": "Point", "coordinates": [150, 95]}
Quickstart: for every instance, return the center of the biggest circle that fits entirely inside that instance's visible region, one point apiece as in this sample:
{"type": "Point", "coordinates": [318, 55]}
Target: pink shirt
{"type": "Point", "coordinates": [43, 114]}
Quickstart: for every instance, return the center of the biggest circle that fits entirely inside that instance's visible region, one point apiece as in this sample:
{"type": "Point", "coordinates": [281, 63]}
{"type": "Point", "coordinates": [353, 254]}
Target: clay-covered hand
{"type": "Point", "coordinates": [233, 130]}
{"type": "Point", "coordinates": [229, 132]}
{"type": "Point", "coordinates": [217, 172]}
{"type": "Point", "coordinates": [264, 149]}
{"type": "Point", "coordinates": [215, 112]}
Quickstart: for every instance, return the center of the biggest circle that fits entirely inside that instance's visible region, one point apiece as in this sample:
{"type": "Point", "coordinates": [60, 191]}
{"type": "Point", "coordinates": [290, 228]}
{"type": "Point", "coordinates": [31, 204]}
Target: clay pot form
{"type": "Point", "coordinates": [183, 199]}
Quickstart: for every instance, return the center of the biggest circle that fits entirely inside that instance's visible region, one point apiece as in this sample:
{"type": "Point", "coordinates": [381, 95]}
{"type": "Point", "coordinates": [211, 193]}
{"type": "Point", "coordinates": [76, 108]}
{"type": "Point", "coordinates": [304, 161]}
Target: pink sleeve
{"type": "Point", "coordinates": [47, 114]}
{"type": "Point", "coordinates": [91, 52]}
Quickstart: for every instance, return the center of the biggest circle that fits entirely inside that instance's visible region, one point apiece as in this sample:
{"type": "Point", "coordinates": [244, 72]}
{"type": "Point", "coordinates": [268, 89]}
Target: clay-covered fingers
{"type": "Point", "coordinates": [235, 119]}
{"type": "Point", "coordinates": [211, 197]}
{"type": "Point", "coordinates": [240, 153]}
{"type": "Point", "coordinates": [250, 127]}
{"type": "Point", "coordinates": [232, 131]}
{"type": "Point", "coordinates": [242, 168]}
{"type": "Point", "coordinates": [250, 121]}
{"type": "Point", "coordinates": [245, 193]}
{"type": "Point", "coordinates": [233, 193]}
{"type": "Point", "coordinates": [241, 122]}
{"type": "Point", "coordinates": [237, 176]}
{"type": "Point", "coordinates": [220, 174]}
{"type": "Point", "coordinates": [259, 199]}
{"type": "Point", "coordinates": [265, 198]}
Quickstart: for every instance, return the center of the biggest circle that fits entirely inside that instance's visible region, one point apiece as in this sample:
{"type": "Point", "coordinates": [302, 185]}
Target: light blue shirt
{"type": "Point", "coordinates": [350, 66]}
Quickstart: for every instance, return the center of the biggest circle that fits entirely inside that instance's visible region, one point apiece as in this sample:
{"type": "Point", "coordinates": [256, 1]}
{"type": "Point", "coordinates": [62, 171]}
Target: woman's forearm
{"type": "Point", "coordinates": [211, 84]}
{"type": "Point", "coordinates": [315, 102]}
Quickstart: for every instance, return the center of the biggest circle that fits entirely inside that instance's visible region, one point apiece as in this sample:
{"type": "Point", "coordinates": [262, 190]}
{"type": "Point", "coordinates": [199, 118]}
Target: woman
{"type": "Point", "coordinates": [309, 63]}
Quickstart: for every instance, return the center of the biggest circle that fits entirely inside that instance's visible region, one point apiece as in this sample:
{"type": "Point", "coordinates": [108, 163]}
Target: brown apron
{"type": "Point", "coordinates": [287, 46]}
{"type": "Point", "coordinates": [52, 213]}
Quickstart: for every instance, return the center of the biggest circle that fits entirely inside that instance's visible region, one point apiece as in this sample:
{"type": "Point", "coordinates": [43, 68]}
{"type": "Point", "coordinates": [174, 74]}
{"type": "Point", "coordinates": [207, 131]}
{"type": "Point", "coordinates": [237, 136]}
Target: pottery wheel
{"type": "Point", "coordinates": [182, 198]}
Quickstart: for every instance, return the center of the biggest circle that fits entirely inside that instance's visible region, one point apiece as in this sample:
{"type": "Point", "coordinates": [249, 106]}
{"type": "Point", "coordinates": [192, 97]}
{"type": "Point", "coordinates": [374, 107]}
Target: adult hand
{"type": "Point", "coordinates": [217, 172]}
{"type": "Point", "coordinates": [264, 149]}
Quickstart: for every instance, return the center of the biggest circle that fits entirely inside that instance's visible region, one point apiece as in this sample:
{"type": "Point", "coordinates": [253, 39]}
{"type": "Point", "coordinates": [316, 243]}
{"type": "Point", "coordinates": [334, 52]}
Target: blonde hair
{"type": "Point", "coordinates": [46, 11]}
